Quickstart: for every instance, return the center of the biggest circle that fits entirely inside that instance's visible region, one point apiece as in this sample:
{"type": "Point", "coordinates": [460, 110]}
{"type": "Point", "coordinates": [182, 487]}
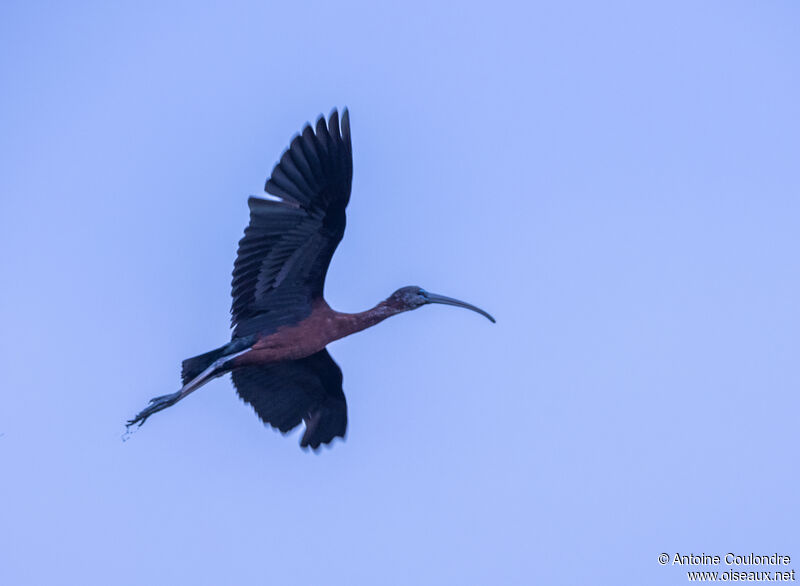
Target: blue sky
{"type": "Point", "coordinates": [616, 182]}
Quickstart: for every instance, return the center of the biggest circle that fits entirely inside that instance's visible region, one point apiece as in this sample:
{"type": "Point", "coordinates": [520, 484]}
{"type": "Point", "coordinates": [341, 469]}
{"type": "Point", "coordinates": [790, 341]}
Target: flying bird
{"type": "Point", "coordinates": [277, 355]}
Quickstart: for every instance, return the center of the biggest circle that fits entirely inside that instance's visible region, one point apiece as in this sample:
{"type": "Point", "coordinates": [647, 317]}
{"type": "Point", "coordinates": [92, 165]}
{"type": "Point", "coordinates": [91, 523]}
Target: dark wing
{"type": "Point", "coordinates": [287, 247]}
{"type": "Point", "coordinates": [309, 389]}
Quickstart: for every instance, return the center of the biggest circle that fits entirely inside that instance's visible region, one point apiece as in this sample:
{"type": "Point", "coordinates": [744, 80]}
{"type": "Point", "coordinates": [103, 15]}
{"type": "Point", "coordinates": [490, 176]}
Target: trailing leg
{"type": "Point", "coordinates": [215, 369]}
{"type": "Point", "coordinates": [157, 404]}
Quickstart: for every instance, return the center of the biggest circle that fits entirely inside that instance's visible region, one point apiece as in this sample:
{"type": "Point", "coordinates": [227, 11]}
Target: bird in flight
{"type": "Point", "coordinates": [277, 355]}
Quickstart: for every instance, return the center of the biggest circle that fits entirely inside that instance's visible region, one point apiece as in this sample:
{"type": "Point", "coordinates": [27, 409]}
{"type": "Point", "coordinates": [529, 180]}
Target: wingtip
{"type": "Point", "coordinates": [332, 121]}
{"type": "Point", "coordinates": [322, 125]}
{"type": "Point", "coordinates": [333, 124]}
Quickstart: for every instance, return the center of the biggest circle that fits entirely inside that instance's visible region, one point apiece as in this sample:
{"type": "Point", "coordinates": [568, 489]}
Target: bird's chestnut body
{"type": "Point", "coordinates": [312, 334]}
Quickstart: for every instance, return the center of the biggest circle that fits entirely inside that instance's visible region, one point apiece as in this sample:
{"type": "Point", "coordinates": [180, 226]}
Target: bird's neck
{"type": "Point", "coordinates": [350, 323]}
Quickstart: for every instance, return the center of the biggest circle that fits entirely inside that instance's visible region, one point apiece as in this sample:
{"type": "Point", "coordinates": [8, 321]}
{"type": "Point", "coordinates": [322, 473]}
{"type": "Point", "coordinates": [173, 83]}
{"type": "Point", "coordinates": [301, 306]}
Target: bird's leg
{"type": "Point", "coordinates": [156, 405]}
{"type": "Point", "coordinates": [217, 368]}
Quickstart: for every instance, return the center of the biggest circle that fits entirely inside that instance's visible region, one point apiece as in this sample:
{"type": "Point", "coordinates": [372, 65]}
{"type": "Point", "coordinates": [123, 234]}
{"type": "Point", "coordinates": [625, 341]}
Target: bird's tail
{"type": "Point", "coordinates": [191, 368]}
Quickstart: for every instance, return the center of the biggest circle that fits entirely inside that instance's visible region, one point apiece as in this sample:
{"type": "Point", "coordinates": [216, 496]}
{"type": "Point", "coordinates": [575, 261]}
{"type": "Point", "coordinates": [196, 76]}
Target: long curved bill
{"type": "Point", "coordinates": [434, 298]}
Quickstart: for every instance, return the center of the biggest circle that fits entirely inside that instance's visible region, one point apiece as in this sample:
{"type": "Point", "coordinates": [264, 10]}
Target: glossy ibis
{"type": "Point", "coordinates": [281, 322]}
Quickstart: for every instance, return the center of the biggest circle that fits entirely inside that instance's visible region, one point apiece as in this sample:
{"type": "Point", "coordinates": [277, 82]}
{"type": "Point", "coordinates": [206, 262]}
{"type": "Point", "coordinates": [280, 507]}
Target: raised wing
{"type": "Point", "coordinates": [287, 247]}
{"type": "Point", "coordinates": [285, 393]}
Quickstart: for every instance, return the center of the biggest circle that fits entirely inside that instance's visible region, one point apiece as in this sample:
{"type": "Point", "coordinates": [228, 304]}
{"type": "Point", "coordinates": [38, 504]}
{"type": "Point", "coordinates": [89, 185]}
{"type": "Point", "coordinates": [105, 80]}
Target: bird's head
{"type": "Point", "coordinates": [412, 297]}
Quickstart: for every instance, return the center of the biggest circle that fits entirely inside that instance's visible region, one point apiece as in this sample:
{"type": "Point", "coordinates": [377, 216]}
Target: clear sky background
{"type": "Point", "coordinates": [617, 182]}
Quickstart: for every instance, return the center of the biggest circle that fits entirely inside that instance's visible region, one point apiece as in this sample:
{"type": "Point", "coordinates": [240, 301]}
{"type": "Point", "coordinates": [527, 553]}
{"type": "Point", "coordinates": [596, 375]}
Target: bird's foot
{"type": "Point", "coordinates": [156, 405]}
